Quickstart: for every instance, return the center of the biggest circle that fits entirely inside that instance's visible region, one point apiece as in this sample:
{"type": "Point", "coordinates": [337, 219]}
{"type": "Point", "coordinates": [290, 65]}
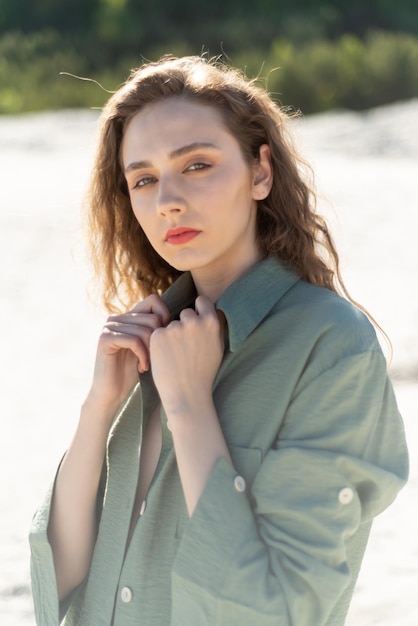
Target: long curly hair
{"type": "Point", "coordinates": [288, 225]}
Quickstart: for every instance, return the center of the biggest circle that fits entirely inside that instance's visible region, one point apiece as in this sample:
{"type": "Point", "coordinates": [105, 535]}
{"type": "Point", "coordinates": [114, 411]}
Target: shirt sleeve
{"type": "Point", "coordinates": [277, 554]}
{"type": "Point", "coordinates": [49, 611]}
{"type": "Point", "coordinates": [44, 586]}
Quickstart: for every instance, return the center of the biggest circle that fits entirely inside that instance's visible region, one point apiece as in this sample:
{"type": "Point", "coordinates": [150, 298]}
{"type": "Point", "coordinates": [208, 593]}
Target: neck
{"type": "Point", "coordinates": [213, 284]}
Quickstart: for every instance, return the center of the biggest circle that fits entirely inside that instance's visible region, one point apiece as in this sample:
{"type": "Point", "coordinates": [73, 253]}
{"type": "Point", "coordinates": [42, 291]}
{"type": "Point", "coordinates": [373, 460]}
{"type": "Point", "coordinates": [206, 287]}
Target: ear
{"type": "Point", "coordinates": [263, 174]}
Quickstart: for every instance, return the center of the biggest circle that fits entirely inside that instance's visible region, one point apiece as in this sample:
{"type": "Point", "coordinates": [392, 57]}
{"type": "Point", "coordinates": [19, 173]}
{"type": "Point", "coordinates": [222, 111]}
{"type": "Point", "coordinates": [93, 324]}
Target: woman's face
{"type": "Point", "coordinates": [191, 190]}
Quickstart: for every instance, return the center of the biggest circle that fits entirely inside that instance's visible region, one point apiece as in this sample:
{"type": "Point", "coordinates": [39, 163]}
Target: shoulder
{"type": "Point", "coordinates": [321, 311]}
{"type": "Point", "coordinates": [317, 328]}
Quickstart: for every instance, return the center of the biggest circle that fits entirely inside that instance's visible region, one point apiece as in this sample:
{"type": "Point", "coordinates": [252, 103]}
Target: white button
{"type": "Point", "coordinates": [346, 495]}
{"type": "Point", "coordinates": [239, 483]}
{"type": "Point", "coordinates": [143, 507]}
{"type": "Point", "coordinates": [126, 594]}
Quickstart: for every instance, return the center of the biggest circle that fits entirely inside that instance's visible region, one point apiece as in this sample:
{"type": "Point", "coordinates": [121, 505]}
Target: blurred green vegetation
{"type": "Point", "coordinates": [313, 55]}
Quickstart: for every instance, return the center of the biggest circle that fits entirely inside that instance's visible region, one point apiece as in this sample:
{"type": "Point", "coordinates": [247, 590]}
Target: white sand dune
{"type": "Point", "coordinates": [366, 166]}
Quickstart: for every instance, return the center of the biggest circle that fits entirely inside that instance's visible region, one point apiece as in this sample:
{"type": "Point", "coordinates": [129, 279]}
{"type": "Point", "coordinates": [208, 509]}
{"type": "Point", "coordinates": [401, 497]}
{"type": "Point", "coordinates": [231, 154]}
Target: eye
{"type": "Point", "coordinates": [143, 182]}
{"type": "Point", "coordinates": [197, 166]}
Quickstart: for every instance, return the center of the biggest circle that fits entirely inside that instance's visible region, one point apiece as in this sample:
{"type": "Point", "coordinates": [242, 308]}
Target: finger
{"type": "Point", "coordinates": [143, 332]}
{"type": "Point", "coordinates": [153, 304]}
{"type": "Point", "coordinates": [140, 348]}
{"type": "Point", "coordinates": [204, 306]}
{"type": "Point", "coordinates": [186, 314]}
{"type": "Point", "coordinates": [113, 341]}
{"type": "Point", "coordinates": [147, 320]}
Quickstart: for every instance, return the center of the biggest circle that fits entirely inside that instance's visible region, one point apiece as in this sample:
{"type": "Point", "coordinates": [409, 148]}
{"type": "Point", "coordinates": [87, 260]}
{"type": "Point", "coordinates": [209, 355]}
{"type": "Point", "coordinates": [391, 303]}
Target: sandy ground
{"type": "Point", "coordinates": [366, 166]}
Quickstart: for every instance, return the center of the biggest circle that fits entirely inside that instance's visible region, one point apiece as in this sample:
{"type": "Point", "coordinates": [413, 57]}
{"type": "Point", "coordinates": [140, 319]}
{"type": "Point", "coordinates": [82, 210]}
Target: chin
{"type": "Point", "coordinates": [182, 267]}
{"type": "Point", "coordinates": [184, 262]}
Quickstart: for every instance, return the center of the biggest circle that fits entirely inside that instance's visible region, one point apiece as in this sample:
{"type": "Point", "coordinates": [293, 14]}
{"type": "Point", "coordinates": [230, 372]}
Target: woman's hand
{"type": "Point", "coordinates": [185, 357]}
{"type": "Point", "coordinates": [124, 350]}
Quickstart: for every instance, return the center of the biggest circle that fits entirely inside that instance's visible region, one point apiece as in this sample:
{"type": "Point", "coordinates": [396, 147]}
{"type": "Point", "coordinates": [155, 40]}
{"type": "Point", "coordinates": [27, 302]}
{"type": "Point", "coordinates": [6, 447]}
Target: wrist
{"type": "Point", "coordinates": [186, 410]}
{"type": "Point", "coordinates": [99, 409]}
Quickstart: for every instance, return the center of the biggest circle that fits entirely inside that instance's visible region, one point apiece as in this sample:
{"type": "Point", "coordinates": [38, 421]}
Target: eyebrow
{"type": "Point", "coordinates": [178, 152]}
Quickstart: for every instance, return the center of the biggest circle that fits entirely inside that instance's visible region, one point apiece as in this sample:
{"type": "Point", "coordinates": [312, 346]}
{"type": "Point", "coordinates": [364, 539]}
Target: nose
{"type": "Point", "coordinates": [170, 199]}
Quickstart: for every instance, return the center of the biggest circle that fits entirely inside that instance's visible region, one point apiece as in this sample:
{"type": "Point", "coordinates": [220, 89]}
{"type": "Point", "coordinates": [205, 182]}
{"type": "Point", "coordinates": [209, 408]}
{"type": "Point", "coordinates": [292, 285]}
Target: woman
{"type": "Point", "coordinates": [235, 484]}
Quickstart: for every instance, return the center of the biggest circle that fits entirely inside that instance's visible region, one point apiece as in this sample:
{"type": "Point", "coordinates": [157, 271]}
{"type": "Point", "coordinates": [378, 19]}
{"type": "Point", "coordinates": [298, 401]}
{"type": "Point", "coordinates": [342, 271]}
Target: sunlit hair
{"type": "Point", "coordinates": [287, 223]}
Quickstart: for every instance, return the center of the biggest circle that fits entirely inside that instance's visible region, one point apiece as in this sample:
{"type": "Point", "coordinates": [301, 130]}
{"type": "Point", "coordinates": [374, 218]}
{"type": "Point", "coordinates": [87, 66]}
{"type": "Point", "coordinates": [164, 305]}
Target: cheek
{"type": "Point", "coordinates": [138, 211]}
{"type": "Point", "coordinates": [240, 195]}
{"type": "Point", "coordinates": [230, 187]}
{"type": "Point", "coordinates": [144, 224]}
{"type": "Point", "coordinates": [137, 214]}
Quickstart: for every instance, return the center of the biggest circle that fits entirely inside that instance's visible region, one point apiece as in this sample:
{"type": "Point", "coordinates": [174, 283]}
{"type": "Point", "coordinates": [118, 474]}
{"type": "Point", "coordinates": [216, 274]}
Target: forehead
{"type": "Point", "coordinates": [172, 122]}
{"type": "Point", "coordinates": [179, 108]}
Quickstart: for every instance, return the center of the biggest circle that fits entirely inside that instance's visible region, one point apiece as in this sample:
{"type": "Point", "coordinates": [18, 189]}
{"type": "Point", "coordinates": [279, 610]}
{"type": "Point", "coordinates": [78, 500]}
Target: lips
{"type": "Point", "coordinates": [180, 235]}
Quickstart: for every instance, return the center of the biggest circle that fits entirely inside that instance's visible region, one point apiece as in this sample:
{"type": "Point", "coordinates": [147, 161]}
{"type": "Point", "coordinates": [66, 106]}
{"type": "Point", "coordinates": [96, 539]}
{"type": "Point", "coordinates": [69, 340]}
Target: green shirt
{"type": "Point", "coordinates": [318, 450]}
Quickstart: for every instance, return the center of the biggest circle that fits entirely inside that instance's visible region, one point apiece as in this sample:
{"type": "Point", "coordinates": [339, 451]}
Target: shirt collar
{"type": "Point", "coordinates": [180, 295]}
{"type": "Point", "coordinates": [245, 303]}
{"type": "Point", "coordinates": [249, 299]}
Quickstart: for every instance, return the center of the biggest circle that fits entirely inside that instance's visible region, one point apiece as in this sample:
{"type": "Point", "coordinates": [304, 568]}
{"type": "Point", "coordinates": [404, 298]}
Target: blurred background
{"type": "Point", "coordinates": [316, 54]}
